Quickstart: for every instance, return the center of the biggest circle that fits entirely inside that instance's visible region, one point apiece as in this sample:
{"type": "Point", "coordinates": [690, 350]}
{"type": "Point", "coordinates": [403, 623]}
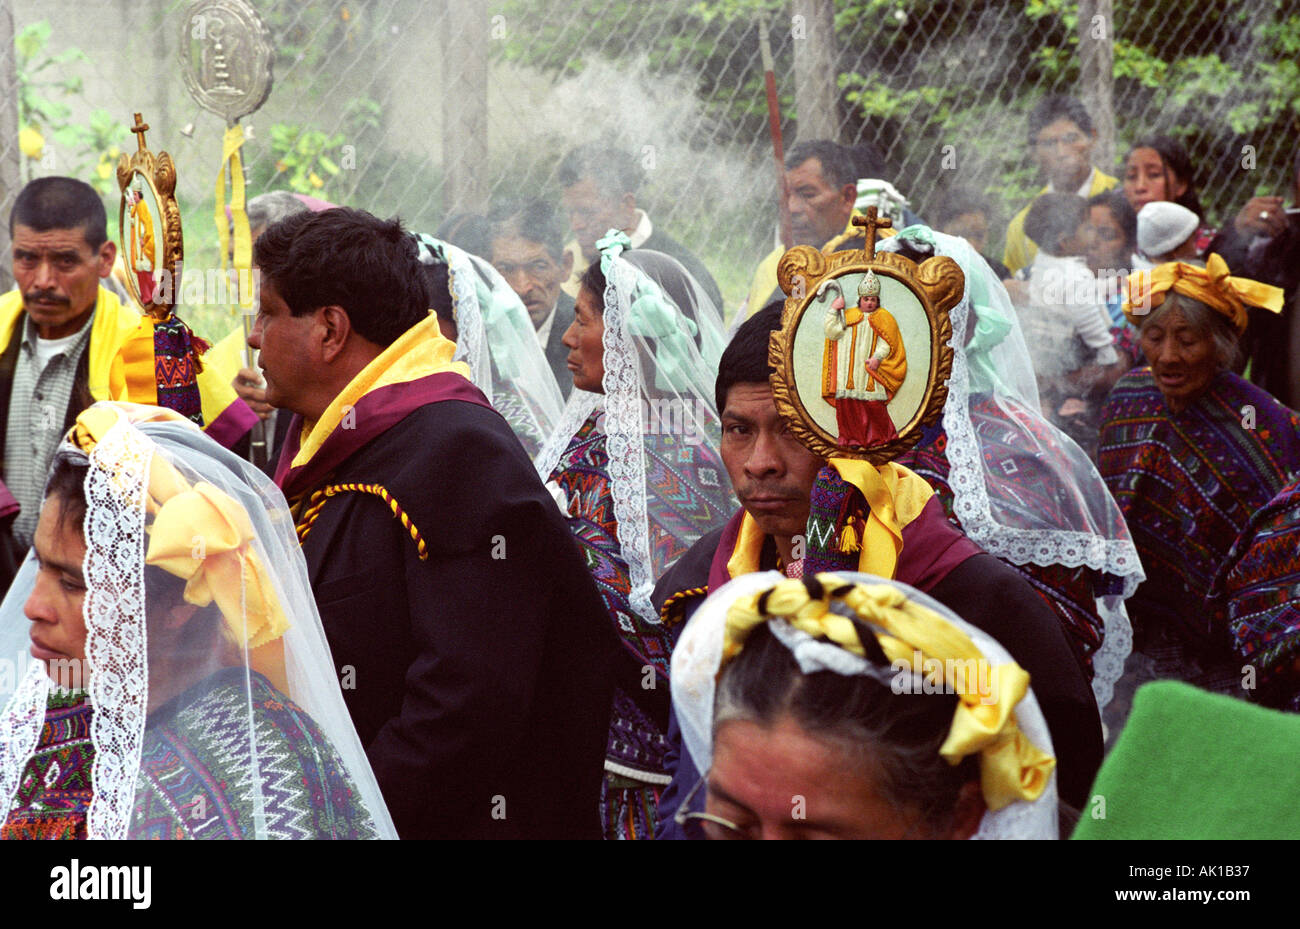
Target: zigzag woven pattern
{"type": "Point", "coordinates": [1027, 494]}
{"type": "Point", "coordinates": [54, 794]}
{"type": "Point", "coordinates": [835, 505]}
{"type": "Point", "coordinates": [583, 473]}
{"type": "Point", "coordinates": [176, 350]}
{"type": "Point", "coordinates": [1188, 483]}
{"type": "Point", "coordinates": [194, 771]}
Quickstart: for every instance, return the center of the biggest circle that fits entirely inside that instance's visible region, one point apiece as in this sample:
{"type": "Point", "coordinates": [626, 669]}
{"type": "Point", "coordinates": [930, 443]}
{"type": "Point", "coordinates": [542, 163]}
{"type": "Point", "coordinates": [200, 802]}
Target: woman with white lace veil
{"type": "Point", "coordinates": [880, 711]}
{"type": "Point", "coordinates": [1017, 485]}
{"type": "Point", "coordinates": [636, 467]}
{"type": "Point", "coordinates": [495, 337]}
{"type": "Point", "coordinates": [182, 687]}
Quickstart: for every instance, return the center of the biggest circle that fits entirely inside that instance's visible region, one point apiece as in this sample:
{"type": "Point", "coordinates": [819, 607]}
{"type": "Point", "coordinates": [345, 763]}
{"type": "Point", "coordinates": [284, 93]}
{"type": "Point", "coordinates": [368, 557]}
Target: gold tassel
{"type": "Point", "coordinates": [848, 539]}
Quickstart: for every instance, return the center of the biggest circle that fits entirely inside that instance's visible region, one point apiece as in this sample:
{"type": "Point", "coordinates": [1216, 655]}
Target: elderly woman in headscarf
{"type": "Point", "coordinates": [635, 466]}
{"type": "Point", "coordinates": [848, 706]}
{"type": "Point", "coordinates": [1191, 451]}
{"type": "Point", "coordinates": [1018, 486]}
{"type": "Point", "coordinates": [182, 687]}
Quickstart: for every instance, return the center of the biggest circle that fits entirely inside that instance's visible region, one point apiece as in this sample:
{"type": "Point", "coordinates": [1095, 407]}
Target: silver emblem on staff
{"type": "Point", "coordinates": [226, 55]}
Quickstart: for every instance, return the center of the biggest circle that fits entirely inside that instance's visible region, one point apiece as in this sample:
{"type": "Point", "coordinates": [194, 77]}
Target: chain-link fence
{"type": "Point", "coordinates": [417, 108]}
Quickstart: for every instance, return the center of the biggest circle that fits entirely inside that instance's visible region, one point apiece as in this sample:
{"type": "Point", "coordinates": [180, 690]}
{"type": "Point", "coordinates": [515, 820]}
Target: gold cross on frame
{"type": "Point", "coordinates": [140, 128]}
{"type": "Point", "coordinates": [870, 223]}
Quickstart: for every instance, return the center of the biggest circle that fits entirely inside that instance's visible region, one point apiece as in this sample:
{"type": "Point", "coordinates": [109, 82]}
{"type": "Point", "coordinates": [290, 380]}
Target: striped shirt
{"type": "Point", "coordinates": [38, 405]}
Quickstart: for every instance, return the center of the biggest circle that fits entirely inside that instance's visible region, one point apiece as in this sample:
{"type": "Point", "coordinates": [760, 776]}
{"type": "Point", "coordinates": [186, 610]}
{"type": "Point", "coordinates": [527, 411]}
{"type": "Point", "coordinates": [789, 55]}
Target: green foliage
{"type": "Point", "coordinates": [915, 75]}
{"type": "Point", "coordinates": [44, 83]}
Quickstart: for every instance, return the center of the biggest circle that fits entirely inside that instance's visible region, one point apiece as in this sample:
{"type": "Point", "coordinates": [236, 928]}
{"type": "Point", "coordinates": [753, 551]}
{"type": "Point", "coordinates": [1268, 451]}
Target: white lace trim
{"type": "Point", "coordinates": [1042, 547]}
{"type": "Point", "coordinates": [115, 624]}
{"type": "Point", "coordinates": [471, 342]}
{"type": "Point", "coordinates": [625, 439]}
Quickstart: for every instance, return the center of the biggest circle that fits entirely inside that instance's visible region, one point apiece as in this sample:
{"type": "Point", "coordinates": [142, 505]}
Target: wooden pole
{"type": "Point", "coordinates": [816, 94]}
{"type": "Point", "coordinates": [774, 128]}
{"type": "Point", "coordinates": [10, 156]}
{"type": "Point", "coordinates": [1096, 74]}
{"type": "Point", "coordinates": [465, 37]}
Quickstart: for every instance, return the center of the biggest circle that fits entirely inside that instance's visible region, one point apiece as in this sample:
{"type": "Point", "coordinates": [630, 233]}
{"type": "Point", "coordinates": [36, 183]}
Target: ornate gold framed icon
{"type": "Point", "coordinates": [862, 358]}
{"type": "Point", "coordinates": [149, 224]}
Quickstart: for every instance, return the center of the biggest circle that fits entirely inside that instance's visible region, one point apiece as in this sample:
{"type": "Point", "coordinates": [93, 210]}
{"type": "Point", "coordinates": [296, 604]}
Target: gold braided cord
{"type": "Point", "coordinates": [318, 499]}
{"type": "Point", "coordinates": [679, 598]}
{"type": "Point", "coordinates": [919, 640]}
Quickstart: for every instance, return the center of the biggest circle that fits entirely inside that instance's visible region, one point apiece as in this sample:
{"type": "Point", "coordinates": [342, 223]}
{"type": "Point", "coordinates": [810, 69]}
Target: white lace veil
{"type": "Point", "coordinates": [496, 338]}
{"type": "Point", "coordinates": [662, 341]}
{"type": "Point", "coordinates": [992, 367]}
{"type": "Point", "coordinates": [698, 656]}
{"type": "Point", "coordinates": [192, 659]}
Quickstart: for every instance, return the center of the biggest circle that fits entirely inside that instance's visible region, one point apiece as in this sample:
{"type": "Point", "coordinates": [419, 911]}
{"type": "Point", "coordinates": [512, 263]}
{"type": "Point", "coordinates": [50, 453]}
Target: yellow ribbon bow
{"type": "Point", "coordinates": [1011, 767]}
{"type": "Point", "coordinates": [1211, 285]}
{"type": "Point", "coordinates": [201, 535]}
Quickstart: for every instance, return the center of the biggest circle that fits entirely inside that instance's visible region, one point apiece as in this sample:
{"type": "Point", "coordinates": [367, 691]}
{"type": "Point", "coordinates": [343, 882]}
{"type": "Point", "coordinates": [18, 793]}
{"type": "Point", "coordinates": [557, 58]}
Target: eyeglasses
{"type": "Point", "coordinates": [716, 828]}
{"type": "Point", "coordinates": [1069, 140]}
{"type": "Point", "coordinates": [713, 827]}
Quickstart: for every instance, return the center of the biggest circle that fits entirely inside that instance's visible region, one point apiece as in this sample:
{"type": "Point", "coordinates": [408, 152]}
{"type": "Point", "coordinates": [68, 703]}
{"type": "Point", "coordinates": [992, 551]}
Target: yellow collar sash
{"type": "Point", "coordinates": [895, 496]}
{"type": "Point", "coordinates": [420, 351]}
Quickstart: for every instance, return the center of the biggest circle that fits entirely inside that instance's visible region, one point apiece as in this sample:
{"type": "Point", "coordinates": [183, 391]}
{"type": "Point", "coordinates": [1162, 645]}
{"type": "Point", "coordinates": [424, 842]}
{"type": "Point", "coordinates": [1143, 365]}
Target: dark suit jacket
{"type": "Point", "coordinates": [480, 677]}
{"type": "Point", "coordinates": [556, 354]}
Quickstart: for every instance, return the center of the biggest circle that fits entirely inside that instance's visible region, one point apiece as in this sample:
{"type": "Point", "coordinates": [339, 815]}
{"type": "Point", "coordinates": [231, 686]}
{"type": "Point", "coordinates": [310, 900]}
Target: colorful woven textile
{"type": "Point", "coordinates": [191, 745]}
{"type": "Point", "coordinates": [679, 471]}
{"type": "Point", "coordinates": [1256, 597]}
{"type": "Point", "coordinates": [837, 518]}
{"type": "Point", "coordinates": [1187, 484]}
{"type": "Point", "coordinates": [176, 351]}
{"type": "Point", "coordinates": [1025, 487]}
{"type": "Point", "coordinates": [53, 796]}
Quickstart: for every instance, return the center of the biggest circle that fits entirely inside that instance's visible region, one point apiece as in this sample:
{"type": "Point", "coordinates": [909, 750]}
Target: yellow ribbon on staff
{"type": "Point", "coordinates": [1011, 767]}
{"type": "Point", "coordinates": [238, 224]}
{"type": "Point", "coordinates": [1211, 285]}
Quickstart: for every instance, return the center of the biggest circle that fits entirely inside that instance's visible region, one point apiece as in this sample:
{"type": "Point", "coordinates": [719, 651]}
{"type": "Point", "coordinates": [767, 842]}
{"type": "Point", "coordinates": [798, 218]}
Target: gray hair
{"type": "Point", "coordinates": [1203, 320]}
{"type": "Point", "coordinates": [895, 738]}
{"type": "Point", "coordinates": [272, 207]}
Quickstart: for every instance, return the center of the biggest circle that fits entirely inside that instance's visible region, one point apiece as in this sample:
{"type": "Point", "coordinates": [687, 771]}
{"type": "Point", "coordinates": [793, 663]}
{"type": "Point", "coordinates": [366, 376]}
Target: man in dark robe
{"type": "Point", "coordinates": [471, 643]}
{"type": "Point", "coordinates": [778, 482]}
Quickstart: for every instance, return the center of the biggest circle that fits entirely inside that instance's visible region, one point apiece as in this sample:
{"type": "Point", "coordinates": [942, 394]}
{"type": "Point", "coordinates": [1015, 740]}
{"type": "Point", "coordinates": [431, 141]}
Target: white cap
{"type": "Point", "coordinates": [1163, 226]}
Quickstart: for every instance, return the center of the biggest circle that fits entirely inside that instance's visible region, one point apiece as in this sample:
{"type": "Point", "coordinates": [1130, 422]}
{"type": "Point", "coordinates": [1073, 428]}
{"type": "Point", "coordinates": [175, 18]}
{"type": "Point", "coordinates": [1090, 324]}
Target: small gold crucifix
{"type": "Point", "coordinates": [870, 223]}
{"type": "Point", "coordinates": [140, 128]}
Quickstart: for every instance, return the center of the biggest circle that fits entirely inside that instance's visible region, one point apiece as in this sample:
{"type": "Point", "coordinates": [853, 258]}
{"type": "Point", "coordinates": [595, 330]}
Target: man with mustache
{"type": "Point", "coordinates": [774, 478]}
{"type": "Point", "coordinates": [66, 342]}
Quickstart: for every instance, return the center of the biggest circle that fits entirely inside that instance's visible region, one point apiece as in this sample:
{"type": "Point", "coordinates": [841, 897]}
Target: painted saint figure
{"type": "Point", "coordinates": [863, 366]}
{"type": "Point", "coordinates": [142, 244]}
